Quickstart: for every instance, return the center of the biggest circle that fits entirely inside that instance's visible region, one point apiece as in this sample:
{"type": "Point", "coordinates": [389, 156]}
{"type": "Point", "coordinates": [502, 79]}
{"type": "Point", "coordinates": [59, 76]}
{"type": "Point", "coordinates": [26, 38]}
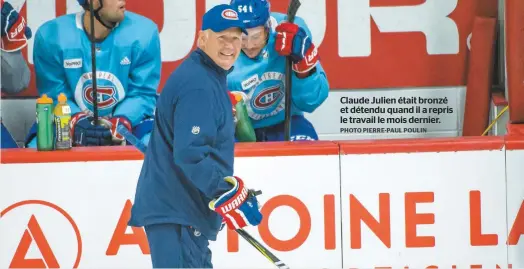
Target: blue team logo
{"type": "Point", "coordinates": [266, 96]}
{"type": "Point", "coordinates": [110, 92]}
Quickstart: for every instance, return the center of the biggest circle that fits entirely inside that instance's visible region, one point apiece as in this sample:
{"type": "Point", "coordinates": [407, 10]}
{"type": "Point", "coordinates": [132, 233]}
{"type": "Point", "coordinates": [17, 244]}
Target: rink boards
{"type": "Point", "coordinates": [432, 203]}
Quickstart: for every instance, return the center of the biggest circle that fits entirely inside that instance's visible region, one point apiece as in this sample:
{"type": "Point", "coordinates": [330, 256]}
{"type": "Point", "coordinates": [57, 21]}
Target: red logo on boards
{"type": "Point", "coordinates": [34, 234]}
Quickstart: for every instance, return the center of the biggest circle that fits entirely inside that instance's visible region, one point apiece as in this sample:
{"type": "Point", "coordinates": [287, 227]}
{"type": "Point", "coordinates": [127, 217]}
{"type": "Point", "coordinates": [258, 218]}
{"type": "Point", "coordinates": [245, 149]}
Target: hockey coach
{"type": "Point", "coordinates": [186, 189]}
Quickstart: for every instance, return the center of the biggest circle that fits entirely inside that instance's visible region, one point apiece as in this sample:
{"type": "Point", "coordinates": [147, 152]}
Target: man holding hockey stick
{"type": "Point", "coordinates": [250, 239]}
{"type": "Point", "coordinates": [186, 187]}
{"type": "Point", "coordinates": [128, 64]}
{"type": "Point", "coordinates": [260, 72]}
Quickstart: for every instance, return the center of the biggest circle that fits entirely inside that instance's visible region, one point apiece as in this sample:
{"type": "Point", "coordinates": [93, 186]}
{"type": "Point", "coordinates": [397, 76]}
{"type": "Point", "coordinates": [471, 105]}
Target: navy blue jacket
{"type": "Point", "coordinates": [190, 151]}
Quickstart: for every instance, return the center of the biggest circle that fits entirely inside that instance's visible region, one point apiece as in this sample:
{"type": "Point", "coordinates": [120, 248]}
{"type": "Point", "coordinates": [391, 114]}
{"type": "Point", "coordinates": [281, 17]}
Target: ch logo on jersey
{"type": "Point", "coordinates": [106, 96]}
{"type": "Point", "coordinates": [266, 96]}
{"type": "Point", "coordinates": [110, 92]}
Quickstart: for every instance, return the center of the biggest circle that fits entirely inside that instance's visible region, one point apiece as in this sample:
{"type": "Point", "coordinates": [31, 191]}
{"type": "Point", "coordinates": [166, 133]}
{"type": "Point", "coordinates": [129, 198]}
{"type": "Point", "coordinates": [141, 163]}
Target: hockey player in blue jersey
{"type": "Point", "coordinates": [260, 72]}
{"type": "Point", "coordinates": [128, 67]}
{"type": "Point", "coordinates": [186, 187]}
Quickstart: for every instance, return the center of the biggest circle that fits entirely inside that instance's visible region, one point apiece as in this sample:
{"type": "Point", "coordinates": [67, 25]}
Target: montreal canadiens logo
{"type": "Point", "coordinates": [110, 92]}
{"type": "Point", "coordinates": [267, 97]}
{"type": "Point", "coordinates": [229, 14]}
{"type": "Point", "coordinates": [106, 95]}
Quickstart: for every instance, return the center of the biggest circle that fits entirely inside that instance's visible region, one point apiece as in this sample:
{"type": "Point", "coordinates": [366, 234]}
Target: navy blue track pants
{"type": "Point", "coordinates": [177, 246]}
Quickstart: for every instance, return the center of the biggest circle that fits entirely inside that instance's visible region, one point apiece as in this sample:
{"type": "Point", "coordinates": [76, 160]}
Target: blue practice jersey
{"type": "Point", "coordinates": [262, 80]}
{"type": "Point", "coordinates": [128, 66]}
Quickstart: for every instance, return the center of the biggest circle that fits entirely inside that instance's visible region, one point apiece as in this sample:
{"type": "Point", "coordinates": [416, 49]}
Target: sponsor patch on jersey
{"type": "Point", "coordinates": [250, 82]}
{"type": "Point", "coordinates": [230, 14]}
{"type": "Point", "coordinates": [73, 63]}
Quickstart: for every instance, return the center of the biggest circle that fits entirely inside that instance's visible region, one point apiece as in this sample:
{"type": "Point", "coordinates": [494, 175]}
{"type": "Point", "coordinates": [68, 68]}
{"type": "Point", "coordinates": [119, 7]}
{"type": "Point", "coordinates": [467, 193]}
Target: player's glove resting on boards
{"type": "Point", "coordinates": [85, 133]}
{"type": "Point", "coordinates": [15, 32]}
{"type": "Point", "coordinates": [113, 123]}
{"type": "Point", "coordinates": [237, 207]}
{"type": "Point", "coordinates": [292, 40]}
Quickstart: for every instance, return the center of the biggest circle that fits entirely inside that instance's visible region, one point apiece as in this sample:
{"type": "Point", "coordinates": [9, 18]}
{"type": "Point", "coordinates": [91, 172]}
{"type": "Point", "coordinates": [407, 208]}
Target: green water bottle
{"type": "Point", "coordinates": [244, 131]}
{"type": "Point", "coordinates": [44, 120]}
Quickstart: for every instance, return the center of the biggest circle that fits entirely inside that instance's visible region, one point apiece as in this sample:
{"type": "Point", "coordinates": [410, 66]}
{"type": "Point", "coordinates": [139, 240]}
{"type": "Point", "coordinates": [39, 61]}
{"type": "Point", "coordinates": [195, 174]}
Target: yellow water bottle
{"type": "Point", "coordinates": [62, 113]}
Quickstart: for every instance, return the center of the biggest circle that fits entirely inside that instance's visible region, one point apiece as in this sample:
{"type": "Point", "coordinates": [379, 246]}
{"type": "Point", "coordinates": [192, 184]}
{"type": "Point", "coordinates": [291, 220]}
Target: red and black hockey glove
{"type": "Point", "coordinates": [237, 207]}
{"type": "Point", "coordinates": [292, 40]}
{"type": "Point", "coordinates": [14, 30]}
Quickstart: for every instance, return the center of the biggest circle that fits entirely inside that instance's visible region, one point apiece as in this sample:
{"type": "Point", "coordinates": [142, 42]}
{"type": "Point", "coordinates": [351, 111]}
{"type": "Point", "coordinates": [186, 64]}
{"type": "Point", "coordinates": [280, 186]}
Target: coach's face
{"type": "Point", "coordinates": [222, 47]}
{"type": "Point", "coordinates": [112, 10]}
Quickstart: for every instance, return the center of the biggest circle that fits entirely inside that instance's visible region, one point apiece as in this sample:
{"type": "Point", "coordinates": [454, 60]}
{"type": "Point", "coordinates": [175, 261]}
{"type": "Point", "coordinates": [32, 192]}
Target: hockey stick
{"type": "Point", "coordinates": [93, 63]}
{"type": "Point", "coordinates": [264, 251]}
{"type": "Point", "coordinates": [291, 12]}
{"type": "Point", "coordinates": [121, 129]}
{"type": "Point", "coordinates": [250, 239]}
